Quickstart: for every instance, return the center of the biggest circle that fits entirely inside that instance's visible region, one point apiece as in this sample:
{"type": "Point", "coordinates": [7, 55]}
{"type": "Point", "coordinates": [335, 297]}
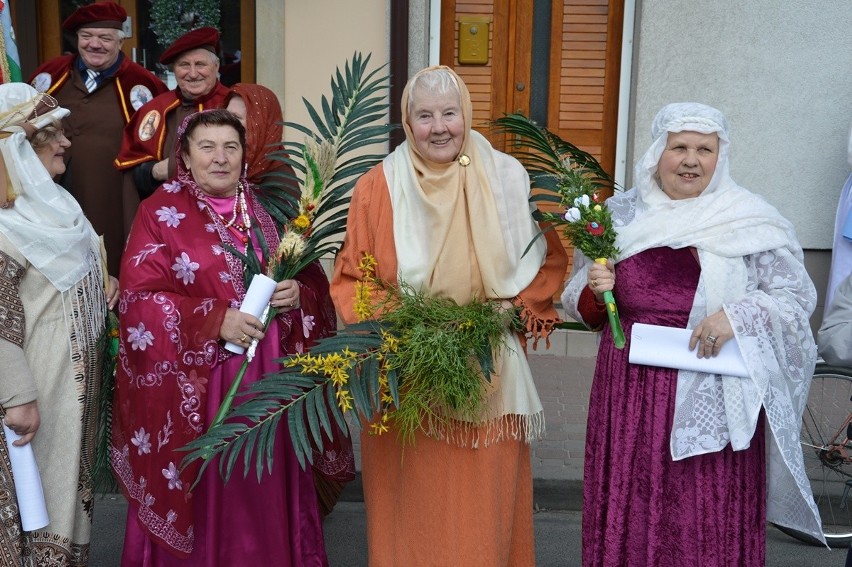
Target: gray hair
{"type": "Point", "coordinates": [45, 135]}
{"type": "Point", "coordinates": [436, 81]}
{"type": "Point", "coordinates": [214, 59]}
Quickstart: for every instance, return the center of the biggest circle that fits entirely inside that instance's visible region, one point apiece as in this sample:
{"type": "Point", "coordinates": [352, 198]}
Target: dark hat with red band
{"type": "Point", "coordinates": [97, 15]}
{"type": "Point", "coordinates": [202, 38]}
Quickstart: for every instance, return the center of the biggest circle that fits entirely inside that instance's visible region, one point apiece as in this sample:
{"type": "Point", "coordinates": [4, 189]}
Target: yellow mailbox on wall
{"type": "Point", "coordinates": [473, 40]}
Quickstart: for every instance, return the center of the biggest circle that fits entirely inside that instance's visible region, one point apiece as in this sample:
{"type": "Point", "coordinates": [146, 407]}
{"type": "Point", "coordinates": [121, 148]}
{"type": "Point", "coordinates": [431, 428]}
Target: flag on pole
{"type": "Point", "coordinates": [10, 61]}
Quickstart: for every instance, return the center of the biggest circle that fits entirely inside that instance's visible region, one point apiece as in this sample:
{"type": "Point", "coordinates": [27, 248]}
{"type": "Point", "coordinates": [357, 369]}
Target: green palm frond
{"type": "Point", "coordinates": [308, 402]}
{"type": "Point", "coordinates": [349, 121]}
{"type": "Point", "coordinates": [546, 156]}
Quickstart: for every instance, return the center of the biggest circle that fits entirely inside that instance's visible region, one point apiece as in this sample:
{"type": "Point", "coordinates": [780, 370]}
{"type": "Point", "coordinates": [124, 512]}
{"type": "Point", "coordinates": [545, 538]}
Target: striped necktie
{"type": "Point", "coordinates": [91, 80]}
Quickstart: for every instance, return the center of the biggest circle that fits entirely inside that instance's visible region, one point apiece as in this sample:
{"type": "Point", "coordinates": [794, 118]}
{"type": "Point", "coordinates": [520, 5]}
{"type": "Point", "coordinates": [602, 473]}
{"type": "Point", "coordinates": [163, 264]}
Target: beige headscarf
{"type": "Point", "coordinates": [460, 230]}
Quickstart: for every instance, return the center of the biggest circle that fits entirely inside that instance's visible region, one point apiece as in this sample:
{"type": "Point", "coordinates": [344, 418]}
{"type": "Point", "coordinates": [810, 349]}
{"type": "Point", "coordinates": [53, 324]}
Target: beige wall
{"type": "Point", "coordinates": [300, 43]}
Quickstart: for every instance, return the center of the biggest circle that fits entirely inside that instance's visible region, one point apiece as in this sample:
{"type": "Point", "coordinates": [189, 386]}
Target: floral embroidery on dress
{"type": "Point", "coordinates": [142, 440]}
{"type": "Point", "coordinates": [307, 324]}
{"type": "Point", "coordinates": [218, 249]}
{"type": "Point", "coordinates": [172, 475]}
{"type": "Point", "coordinates": [170, 216]}
{"type": "Point", "coordinates": [145, 252]}
{"type": "Point", "coordinates": [210, 227]}
{"type": "Point", "coordinates": [204, 307]}
{"type": "Point", "coordinates": [139, 337]}
{"type": "Point", "coordinates": [185, 268]}
{"type": "Point", "coordinates": [224, 276]}
{"type": "Point", "coordinates": [166, 433]}
{"type": "Point", "coordinates": [172, 187]}
{"type": "Point", "coordinates": [199, 384]}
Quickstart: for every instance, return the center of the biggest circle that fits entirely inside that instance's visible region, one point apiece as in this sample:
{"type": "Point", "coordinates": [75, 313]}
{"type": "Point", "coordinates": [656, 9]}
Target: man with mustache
{"type": "Point", "coordinates": [102, 88]}
{"type": "Point", "coordinates": [147, 149]}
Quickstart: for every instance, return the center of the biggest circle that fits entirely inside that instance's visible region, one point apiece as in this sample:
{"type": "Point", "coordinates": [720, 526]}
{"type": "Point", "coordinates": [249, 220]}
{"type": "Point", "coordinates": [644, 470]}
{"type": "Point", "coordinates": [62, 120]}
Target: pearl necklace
{"type": "Point", "coordinates": [239, 203]}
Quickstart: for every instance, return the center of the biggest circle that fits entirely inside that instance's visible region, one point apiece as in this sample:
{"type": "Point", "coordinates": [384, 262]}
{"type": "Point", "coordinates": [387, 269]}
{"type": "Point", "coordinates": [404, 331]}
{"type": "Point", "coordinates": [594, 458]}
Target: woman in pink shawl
{"type": "Point", "coordinates": [179, 305]}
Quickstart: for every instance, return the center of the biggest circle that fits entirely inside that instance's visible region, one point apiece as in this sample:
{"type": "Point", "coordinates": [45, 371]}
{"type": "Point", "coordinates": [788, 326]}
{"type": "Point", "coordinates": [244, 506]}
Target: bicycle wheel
{"type": "Point", "coordinates": [826, 450]}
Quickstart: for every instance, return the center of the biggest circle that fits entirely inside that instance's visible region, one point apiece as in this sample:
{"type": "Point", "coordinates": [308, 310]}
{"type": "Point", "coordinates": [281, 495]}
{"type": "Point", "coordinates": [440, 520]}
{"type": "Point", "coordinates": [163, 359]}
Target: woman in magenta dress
{"type": "Point", "coordinates": [683, 467]}
{"type": "Point", "coordinates": [181, 289]}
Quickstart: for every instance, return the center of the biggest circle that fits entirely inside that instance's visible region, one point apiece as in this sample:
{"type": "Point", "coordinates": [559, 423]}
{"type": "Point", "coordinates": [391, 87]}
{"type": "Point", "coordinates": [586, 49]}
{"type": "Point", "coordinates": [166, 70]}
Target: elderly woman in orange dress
{"type": "Point", "coordinates": [449, 215]}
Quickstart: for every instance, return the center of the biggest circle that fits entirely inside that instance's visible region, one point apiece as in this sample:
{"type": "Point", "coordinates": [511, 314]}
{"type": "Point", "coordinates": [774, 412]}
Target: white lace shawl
{"type": "Point", "coordinates": [752, 268]}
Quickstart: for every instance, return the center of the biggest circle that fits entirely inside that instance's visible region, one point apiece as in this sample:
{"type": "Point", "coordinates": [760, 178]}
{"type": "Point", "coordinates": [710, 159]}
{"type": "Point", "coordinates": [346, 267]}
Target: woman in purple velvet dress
{"type": "Point", "coordinates": [684, 467]}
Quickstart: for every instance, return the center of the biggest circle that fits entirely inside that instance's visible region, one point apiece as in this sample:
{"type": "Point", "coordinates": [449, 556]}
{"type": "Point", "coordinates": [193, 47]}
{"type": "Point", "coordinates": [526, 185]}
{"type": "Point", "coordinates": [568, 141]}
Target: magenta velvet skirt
{"type": "Point", "coordinates": [243, 522]}
{"type": "Point", "coordinates": [640, 507]}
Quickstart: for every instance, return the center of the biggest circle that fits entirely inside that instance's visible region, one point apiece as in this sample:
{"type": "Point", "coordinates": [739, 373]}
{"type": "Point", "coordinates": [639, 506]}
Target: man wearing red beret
{"type": "Point", "coordinates": [102, 88]}
{"type": "Point", "coordinates": [147, 149]}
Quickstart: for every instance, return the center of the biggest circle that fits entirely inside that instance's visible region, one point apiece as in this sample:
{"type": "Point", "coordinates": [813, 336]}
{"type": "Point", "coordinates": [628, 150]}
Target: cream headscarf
{"type": "Point", "coordinates": [425, 195]}
{"type": "Point", "coordinates": [45, 224]}
{"type": "Point", "coordinates": [481, 199]}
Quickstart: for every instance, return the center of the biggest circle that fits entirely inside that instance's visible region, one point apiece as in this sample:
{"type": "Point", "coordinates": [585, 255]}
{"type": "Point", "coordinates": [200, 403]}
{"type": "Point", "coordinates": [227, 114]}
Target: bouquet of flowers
{"type": "Point", "coordinates": [423, 362]}
{"type": "Point", "coordinates": [572, 180]}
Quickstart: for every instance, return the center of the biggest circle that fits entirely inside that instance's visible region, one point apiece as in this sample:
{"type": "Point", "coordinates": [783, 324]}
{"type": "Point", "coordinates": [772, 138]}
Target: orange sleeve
{"type": "Point", "coordinates": [369, 229]}
{"type": "Point", "coordinates": [536, 301]}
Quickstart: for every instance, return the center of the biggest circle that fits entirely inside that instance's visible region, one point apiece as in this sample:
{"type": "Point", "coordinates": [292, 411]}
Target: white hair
{"type": "Point", "coordinates": [436, 81]}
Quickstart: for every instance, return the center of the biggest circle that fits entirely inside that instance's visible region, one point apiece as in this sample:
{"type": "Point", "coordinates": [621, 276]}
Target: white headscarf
{"type": "Point", "coordinates": [45, 224]}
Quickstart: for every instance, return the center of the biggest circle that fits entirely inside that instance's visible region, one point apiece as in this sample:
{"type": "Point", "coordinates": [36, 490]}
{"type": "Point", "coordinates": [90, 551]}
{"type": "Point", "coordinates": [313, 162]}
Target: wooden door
{"type": "Point", "coordinates": [557, 61]}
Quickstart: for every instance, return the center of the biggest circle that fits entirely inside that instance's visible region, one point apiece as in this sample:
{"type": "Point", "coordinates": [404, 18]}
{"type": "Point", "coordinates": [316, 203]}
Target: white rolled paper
{"type": "Point", "coordinates": [31, 504]}
{"type": "Point", "coordinates": [257, 298]}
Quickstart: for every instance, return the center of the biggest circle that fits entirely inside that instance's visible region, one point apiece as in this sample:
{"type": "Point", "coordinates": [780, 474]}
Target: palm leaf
{"type": "Point", "coordinates": [542, 152]}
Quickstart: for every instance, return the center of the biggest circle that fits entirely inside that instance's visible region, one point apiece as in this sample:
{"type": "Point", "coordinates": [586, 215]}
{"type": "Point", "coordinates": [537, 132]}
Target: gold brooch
{"type": "Point", "coordinates": [464, 160]}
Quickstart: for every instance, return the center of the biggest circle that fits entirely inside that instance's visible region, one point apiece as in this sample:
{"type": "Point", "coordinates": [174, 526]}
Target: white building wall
{"type": "Point", "coordinates": [780, 70]}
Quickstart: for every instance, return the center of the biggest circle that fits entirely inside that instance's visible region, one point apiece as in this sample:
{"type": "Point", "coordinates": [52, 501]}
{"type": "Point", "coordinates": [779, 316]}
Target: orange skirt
{"type": "Point", "coordinates": [435, 503]}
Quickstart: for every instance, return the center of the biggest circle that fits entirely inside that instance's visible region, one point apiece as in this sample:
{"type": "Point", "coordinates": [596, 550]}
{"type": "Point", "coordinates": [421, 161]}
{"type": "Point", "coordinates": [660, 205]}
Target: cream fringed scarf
{"type": "Point", "coordinates": [460, 232]}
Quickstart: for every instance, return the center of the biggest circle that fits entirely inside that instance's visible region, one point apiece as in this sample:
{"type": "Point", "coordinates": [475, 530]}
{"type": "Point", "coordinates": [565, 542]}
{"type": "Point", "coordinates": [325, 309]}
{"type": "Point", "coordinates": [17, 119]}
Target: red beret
{"type": "Point", "coordinates": [202, 38]}
{"type": "Point", "coordinates": [97, 15]}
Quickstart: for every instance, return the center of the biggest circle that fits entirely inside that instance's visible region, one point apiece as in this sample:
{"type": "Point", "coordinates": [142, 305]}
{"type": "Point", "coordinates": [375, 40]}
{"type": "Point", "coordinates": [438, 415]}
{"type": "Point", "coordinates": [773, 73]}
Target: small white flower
{"type": "Point", "coordinates": [582, 200]}
{"type": "Point", "coordinates": [185, 268]}
{"type": "Point", "coordinates": [307, 325]}
{"type": "Point", "coordinates": [142, 440]}
{"type": "Point", "coordinates": [170, 216]}
{"type": "Point", "coordinates": [224, 277]}
{"type": "Point", "coordinates": [139, 337]}
{"type": "Point", "coordinates": [210, 227]}
{"type": "Point", "coordinates": [217, 249]}
{"type": "Point", "coordinates": [171, 516]}
{"type": "Point", "coordinates": [572, 214]}
{"type": "Point", "coordinates": [171, 187]}
{"type": "Point", "coordinates": [172, 475]}
{"type": "Point", "coordinates": [149, 500]}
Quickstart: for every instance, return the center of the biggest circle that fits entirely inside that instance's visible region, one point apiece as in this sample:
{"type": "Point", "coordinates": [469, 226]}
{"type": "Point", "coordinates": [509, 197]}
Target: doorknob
{"type": "Point", "coordinates": [520, 86]}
